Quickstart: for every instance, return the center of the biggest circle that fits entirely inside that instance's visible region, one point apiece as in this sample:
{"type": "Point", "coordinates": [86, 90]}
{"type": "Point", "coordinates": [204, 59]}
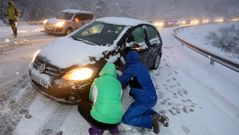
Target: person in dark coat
{"type": "Point", "coordinates": [140, 112]}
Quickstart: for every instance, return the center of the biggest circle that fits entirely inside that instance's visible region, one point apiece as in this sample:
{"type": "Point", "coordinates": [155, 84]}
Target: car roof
{"type": "Point", "coordinates": [122, 21]}
{"type": "Point", "coordinates": [76, 11]}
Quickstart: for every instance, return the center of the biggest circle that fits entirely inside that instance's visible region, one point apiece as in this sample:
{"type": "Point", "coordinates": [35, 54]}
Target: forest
{"type": "Point", "coordinates": [143, 9]}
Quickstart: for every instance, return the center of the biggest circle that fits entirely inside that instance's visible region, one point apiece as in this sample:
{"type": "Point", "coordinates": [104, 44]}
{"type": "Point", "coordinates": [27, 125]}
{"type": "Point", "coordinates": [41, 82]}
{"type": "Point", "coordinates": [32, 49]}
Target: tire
{"type": "Point", "coordinates": [156, 62]}
{"type": "Point", "coordinates": [68, 31]}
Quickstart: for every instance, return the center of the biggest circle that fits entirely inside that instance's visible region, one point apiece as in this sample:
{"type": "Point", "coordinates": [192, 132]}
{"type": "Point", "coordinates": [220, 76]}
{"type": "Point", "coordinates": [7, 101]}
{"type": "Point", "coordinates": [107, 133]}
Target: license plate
{"type": "Point", "coordinates": [40, 81]}
{"type": "Point", "coordinates": [48, 27]}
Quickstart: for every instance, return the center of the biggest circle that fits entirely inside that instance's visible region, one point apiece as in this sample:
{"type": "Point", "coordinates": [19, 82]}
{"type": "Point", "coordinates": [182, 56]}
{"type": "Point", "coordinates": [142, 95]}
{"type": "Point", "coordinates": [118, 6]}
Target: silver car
{"type": "Point", "coordinates": [68, 21]}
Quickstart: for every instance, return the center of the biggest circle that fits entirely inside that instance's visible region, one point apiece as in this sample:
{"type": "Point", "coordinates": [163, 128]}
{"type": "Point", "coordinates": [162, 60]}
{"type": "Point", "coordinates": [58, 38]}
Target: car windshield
{"type": "Point", "coordinates": [99, 33]}
{"type": "Point", "coordinates": [65, 16]}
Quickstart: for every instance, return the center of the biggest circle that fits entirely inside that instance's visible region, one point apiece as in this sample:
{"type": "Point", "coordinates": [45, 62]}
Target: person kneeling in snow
{"type": "Point", "coordinates": [140, 112]}
{"type": "Point", "coordinates": [105, 95]}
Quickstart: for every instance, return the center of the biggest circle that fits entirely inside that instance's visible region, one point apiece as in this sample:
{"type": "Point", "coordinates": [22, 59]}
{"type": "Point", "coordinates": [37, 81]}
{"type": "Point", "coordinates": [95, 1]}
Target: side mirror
{"type": "Point", "coordinates": [76, 20]}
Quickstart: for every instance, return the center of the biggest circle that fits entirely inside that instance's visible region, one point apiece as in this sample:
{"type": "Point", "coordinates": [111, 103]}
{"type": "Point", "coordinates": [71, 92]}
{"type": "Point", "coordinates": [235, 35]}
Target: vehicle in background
{"type": "Point", "coordinates": [219, 20]}
{"type": "Point", "coordinates": [165, 23]}
{"type": "Point", "coordinates": [68, 21]}
{"type": "Point", "coordinates": [183, 22]}
{"type": "Point", "coordinates": [65, 69]}
{"type": "Point", "coordinates": [195, 22]}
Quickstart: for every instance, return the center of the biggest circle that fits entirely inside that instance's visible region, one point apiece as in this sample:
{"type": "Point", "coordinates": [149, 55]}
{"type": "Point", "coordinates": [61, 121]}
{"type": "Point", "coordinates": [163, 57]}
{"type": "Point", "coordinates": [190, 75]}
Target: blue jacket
{"type": "Point", "coordinates": [143, 91]}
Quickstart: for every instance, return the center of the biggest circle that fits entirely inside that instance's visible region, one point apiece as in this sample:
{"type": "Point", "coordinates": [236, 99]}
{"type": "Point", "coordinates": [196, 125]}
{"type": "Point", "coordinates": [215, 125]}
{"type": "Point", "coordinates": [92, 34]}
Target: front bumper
{"type": "Point", "coordinates": [63, 91]}
{"type": "Point", "coordinates": [54, 30]}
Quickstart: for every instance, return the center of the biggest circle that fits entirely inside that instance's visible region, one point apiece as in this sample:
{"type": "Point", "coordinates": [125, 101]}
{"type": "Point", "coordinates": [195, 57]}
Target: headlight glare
{"type": "Point", "coordinates": [45, 21]}
{"type": "Point", "coordinates": [60, 24]}
{"type": "Point", "coordinates": [78, 74]}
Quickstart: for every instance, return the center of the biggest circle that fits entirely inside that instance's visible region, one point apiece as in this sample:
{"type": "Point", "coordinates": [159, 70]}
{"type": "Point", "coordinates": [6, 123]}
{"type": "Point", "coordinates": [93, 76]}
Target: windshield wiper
{"type": "Point", "coordinates": [74, 37]}
{"type": "Point", "coordinates": [79, 39]}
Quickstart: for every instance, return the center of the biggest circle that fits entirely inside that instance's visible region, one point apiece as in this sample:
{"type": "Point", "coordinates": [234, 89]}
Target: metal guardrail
{"type": "Point", "coordinates": [213, 58]}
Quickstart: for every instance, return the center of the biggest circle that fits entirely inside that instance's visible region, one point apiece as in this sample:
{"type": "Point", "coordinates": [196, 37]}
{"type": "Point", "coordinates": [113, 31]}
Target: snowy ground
{"type": "Point", "coordinates": [15, 54]}
{"type": "Point", "coordinates": [198, 98]}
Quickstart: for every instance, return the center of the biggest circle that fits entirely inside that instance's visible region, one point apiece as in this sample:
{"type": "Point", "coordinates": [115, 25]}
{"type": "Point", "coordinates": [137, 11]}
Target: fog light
{"type": "Point", "coordinates": [72, 98]}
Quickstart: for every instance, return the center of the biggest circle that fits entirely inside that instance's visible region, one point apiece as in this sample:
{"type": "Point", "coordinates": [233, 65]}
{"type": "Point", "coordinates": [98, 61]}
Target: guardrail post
{"type": "Point", "coordinates": [212, 57]}
{"type": "Point", "coordinates": [211, 60]}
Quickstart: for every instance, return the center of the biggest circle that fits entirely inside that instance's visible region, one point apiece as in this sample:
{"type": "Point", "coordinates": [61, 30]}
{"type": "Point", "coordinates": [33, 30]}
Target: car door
{"type": "Point", "coordinates": [155, 43]}
{"type": "Point", "coordinates": [140, 38]}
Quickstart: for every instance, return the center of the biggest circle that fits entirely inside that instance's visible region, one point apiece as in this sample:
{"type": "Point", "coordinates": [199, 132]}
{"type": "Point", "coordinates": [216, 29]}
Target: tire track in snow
{"type": "Point", "coordinates": [55, 121]}
{"type": "Point", "coordinates": [17, 43]}
{"type": "Point", "coordinates": [15, 107]}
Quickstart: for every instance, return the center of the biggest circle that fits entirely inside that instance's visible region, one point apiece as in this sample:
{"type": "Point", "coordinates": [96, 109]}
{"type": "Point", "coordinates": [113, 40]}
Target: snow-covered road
{"type": "Point", "coordinates": [199, 99]}
{"type": "Point", "coordinates": [213, 91]}
{"type": "Point", "coordinates": [15, 92]}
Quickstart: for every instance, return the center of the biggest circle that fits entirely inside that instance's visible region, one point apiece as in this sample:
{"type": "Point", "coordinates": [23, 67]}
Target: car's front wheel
{"type": "Point", "coordinates": [156, 62]}
{"type": "Point", "coordinates": [68, 31]}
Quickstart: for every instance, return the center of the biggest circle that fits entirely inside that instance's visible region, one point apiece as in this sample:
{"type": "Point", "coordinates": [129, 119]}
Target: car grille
{"type": "Point", "coordinates": [43, 65]}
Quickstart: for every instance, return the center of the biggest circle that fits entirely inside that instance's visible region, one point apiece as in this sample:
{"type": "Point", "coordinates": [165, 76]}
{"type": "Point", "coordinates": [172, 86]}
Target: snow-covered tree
{"type": "Point", "coordinates": [226, 39]}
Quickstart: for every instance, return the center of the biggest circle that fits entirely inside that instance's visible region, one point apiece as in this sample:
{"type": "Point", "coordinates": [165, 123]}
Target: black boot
{"type": "Point", "coordinates": [15, 32]}
{"type": "Point", "coordinates": [164, 119]}
{"type": "Point", "coordinates": [155, 119]}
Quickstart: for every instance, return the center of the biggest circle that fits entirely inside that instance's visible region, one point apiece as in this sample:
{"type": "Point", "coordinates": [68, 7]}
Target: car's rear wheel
{"type": "Point", "coordinates": [68, 31]}
{"type": "Point", "coordinates": [156, 62]}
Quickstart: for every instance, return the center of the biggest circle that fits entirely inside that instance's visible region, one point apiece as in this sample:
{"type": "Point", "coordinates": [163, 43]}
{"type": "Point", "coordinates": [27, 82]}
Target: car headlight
{"type": "Point", "coordinates": [45, 21]}
{"type": "Point", "coordinates": [60, 24]}
{"type": "Point", "coordinates": [78, 74]}
{"type": "Point", "coordinates": [161, 24]}
{"type": "Point", "coordinates": [35, 55]}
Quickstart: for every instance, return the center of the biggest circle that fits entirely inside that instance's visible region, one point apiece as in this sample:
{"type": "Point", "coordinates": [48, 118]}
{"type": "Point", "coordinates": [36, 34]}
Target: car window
{"type": "Point", "coordinates": [138, 34]}
{"type": "Point", "coordinates": [99, 33]}
{"type": "Point", "coordinates": [95, 29]}
{"type": "Point", "coordinates": [152, 35]}
{"type": "Point", "coordinates": [65, 16]}
{"type": "Point", "coordinates": [84, 17]}
{"type": "Point", "coordinates": [77, 18]}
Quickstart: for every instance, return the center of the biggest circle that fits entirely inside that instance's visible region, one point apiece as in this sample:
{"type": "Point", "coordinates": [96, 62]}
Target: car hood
{"type": "Point", "coordinates": [66, 52]}
{"type": "Point", "coordinates": [54, 20]}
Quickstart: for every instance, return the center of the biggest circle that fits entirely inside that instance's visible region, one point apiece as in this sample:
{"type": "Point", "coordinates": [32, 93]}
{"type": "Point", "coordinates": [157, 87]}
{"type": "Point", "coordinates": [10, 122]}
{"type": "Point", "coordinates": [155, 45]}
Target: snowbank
{"type": "Point", "coordinates": [1, 23]}
{"type": "Point", "coordinates": [23, 30]}
{"type": "Point", "coordinates": [205, 37]}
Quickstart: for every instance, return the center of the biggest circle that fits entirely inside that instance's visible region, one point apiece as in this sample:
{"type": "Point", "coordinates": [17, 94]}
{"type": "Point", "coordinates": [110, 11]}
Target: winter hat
{"type": "Point", "coordinates": [109, 68]}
